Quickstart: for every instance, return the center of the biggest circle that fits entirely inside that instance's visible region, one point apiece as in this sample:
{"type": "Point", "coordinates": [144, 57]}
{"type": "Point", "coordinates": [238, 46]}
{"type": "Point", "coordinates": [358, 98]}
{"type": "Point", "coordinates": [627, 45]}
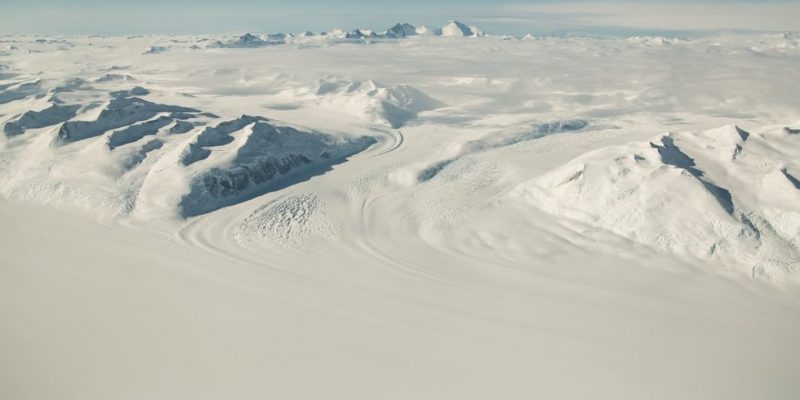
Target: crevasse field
{"type": "Point", "coordinates": [428, 217]}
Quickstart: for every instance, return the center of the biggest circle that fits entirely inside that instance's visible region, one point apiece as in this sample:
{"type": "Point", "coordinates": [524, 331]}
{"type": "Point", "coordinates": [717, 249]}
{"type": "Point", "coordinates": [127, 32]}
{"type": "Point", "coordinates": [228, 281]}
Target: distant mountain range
{"type": "Point", "coordinates": [398, 31]}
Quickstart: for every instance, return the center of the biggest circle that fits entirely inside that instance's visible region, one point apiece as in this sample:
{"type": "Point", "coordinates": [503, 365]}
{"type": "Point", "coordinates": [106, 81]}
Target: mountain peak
{"type": "Point", "coordinates": [401, 30]}
{"type": "Point", "coordinates": [456, 28]}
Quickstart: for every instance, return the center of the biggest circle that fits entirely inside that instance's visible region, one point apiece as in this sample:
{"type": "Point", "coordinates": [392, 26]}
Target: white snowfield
{"type": "Point", "coordinates": [401, 214]}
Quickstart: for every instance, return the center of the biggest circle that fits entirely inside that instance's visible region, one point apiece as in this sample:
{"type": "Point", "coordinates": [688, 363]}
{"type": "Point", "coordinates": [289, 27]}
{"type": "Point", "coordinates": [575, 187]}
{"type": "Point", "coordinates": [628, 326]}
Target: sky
{"type": "Point", "coordinates": [493, 16]}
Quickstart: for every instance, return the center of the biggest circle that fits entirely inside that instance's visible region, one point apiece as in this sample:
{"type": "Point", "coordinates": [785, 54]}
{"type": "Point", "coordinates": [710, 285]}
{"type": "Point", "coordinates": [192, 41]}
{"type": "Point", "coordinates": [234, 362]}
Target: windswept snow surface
{"type": "Point", "coordinates": [399, 215]}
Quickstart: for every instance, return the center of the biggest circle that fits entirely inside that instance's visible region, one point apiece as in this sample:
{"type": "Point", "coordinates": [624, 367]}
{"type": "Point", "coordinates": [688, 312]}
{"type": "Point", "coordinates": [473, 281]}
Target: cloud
{"type": "Point", "coordinates": [678, 16]}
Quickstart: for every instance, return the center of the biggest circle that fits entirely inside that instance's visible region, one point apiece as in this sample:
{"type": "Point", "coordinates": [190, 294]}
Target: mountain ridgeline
{"type": "Point", "coordinates": [398, 31]}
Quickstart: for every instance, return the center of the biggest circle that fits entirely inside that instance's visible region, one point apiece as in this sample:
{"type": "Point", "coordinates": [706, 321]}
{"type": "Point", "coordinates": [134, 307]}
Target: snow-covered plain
{"type": "Point", "coordinates": [400, 215]}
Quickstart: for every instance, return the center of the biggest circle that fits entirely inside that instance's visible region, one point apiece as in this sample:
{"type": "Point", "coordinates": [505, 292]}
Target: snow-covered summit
{"type": "Point", "coordinates": [458, 29]}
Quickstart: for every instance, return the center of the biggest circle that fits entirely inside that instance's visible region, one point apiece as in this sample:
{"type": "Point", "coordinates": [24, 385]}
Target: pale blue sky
{"type": "Point", "coordinates": [499, 16]}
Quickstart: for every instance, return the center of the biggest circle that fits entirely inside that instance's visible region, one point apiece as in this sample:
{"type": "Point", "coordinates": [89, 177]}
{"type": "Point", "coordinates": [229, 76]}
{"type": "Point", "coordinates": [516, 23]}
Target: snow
{"type": "Point", "coordinates": [156, 49]}
{"type": "Point", "coordinates": [398, 31]}
{"type": "Point", "coordinates": [269, 154]}
{"type": "Point", "coordinates": [425, 30]}
{"type": "Point", "coordinates": [52, 115]}
{"type": "Point", "coordinates": [249, 40]}
{"type": "Point", "coordinates": [356, 34]}
{"type": "Point", "coordinates": [120, 111]}
{"type": "Point", "coordinates": [392, 106]}
{"type": "Point", "coordinates": [400, 217]}
{"type": "Point", "coordinates": [456, 28]}
{"type": "Point", "coordinates": [723, 194]}
{"type": "Point", "coordinates": [401, 30]}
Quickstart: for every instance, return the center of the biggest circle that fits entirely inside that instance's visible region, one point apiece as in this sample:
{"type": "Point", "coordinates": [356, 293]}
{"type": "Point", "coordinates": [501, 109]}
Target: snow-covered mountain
{"type": "Point", "coordinates": [249, 40]}
{"type": "Point", "coordinates": [159, 159]}
{"type": "Point", "coordinates": [266, 155]}
{"type": "Point", "coordinates": [725, 194]}
{"type": "Point", "coordinates": [397, 31]}
{"type": "Point", "coordinates": [458, 29]}
{"type": "Point", "coordinates": [401, 30]}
